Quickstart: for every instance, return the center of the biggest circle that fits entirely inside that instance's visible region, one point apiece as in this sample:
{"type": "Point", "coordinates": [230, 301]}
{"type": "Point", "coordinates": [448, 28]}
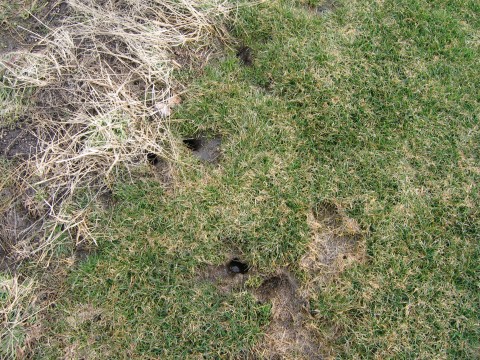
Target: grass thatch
{"type": "Point", "coordinates": [100, 89]}
{"type": "Point", "coordinates": [103, 91]}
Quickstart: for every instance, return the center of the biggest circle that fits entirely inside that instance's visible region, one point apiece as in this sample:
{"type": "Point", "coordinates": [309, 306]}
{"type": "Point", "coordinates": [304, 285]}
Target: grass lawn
{"type": "Point", "coordinates": [370, 105]}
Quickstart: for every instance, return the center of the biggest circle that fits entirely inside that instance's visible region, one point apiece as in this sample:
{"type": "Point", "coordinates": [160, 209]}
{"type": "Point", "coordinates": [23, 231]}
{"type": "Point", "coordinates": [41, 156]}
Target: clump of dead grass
{"type": "Point", "coordinates": [103, 92]}
{"type": "Point", "coordinates": [100, 89]}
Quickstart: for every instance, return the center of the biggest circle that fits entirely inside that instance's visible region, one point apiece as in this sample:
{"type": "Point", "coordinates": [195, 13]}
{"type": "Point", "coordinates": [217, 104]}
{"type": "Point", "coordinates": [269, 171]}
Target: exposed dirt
{"type": "Point", "coordinates": [8, 43]}
{"type": "Point", "coordinates": [83, 251]}
{"type": "Point", "coordinates": [337, 243]}
{"type": "Point", "coordinates": [162, 170]}
{"type": "Point", "coordinates": [17, 227]}
{"type": "Point", "coordinates": [228, 277]}
{"type": "Point", "coordinates": [288, 335]}
{"type": "Point", "coordinates": [153, 159]}
{"type": "Point", "coordinates": [21, 209]}
{"type": "Point", "coordinates": [106, 199]}
{"type": "Point", "coordinates": [186, 58]}
{"type": "Point", "coordinates": [326, 7]}
{"type": "Point", "coordinates": [206, 149]}
{"type": "Point", "coordinates": [235, 266]}
{"type": "Point", "coordinates": [18, 142]}
{"type": "Point", "coordinates": [32, 335]}
{"type": "Point", "coordinates": [20, 29]}
{"type": "Point", "coordinates": [245, 55]}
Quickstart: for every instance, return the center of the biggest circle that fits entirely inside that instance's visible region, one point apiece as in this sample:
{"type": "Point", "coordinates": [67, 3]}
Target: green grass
{"type": "Point", "coordinates": [374, 106]}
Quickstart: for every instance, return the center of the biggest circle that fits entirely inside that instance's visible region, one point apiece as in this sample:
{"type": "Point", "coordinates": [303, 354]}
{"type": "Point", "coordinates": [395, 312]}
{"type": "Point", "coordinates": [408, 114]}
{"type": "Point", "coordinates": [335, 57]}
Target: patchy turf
{"type": "Point", "coordinates": [348, 182]}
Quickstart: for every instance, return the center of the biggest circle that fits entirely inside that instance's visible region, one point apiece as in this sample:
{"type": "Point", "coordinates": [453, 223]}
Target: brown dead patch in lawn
{"type": "Point", "coordinates": [23, 208]}
{"type": "Point", "coordinates": [95, 318]}
{"type": "Point", "coordinates": [289, 335]}
{"type": "Point", "coordinates": [19, 228]}
{"type": "Point", "coordinates": [337, 243]}
{"type": "Point", "coordinates": [226, 277]}
{"type": "Point", "coordinates": [84, 313]}
{"type": "Point", "coordinates": [32, 335]}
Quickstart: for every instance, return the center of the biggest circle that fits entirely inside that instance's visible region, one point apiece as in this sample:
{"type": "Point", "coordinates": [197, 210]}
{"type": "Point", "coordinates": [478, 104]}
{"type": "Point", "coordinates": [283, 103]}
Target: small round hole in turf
{"type": "Point", "coordinates": [193, 144]}
{"type": "Point", "coordinates": [235, 266]}
{"type": "Point", "coordinates": [153, 158]}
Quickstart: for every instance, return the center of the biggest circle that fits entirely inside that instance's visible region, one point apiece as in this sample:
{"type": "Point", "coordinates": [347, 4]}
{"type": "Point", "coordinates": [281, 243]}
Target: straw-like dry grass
{"type": "Point", "coordinates": [103, 92]}
{"type": "Point", "coordinates": [99, 96]}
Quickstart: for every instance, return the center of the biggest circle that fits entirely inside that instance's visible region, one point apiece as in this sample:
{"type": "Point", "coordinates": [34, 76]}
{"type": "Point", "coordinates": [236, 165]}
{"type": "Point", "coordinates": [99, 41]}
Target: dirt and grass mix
{"type": "Point", "coordinates": [323, 202]}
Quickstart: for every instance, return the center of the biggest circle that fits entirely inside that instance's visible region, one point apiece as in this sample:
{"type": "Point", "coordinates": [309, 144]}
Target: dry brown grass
{"type": "Point", "coordinates": [103, 92]}
{"type": "Point", "coordinates": [100, 90]}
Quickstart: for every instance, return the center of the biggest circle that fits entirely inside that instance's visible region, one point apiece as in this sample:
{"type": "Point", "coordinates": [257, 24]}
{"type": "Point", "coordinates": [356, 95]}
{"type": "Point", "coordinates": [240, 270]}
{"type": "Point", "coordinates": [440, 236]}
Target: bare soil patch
{"type": "Point", "coordinates": [83, 251]}
{"type": "Point", "coordinates": [288, 335]}
{"type": "Point", "coordinates": [163, 172]}
{"type": "Point", "coordinates": [227, 277]}
{"type": "Point", "coordinates": [106, 199]}
{"type": "Point", "coordinates": [18, 228]}
{"type": "Point", "coordinates": [245, 55]}
{"type": "Point", "coordinates": [21, 29]}
{"type": "Point", "coordinates": [326, 7]}
{"type": "Point", "coordinates": [206, 149]}
{"type": "Point", "coordinates": [236, 266]}
{"type": "Point", "coordinates": [162, 169]}
{"type": "Point", "coordinates": [19, 141]}
{"type": "Point", "coordinates": [337, 243]}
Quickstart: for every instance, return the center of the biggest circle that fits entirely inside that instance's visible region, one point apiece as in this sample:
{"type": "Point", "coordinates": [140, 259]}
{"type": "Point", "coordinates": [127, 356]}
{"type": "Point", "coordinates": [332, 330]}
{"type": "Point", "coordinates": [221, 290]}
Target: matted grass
{"type": "Point", "coordinates": [99, 91]}
{"type": "Point", "coordinates": [91, 81]}
{"type": "Point", "coordinates": [373, 106]}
